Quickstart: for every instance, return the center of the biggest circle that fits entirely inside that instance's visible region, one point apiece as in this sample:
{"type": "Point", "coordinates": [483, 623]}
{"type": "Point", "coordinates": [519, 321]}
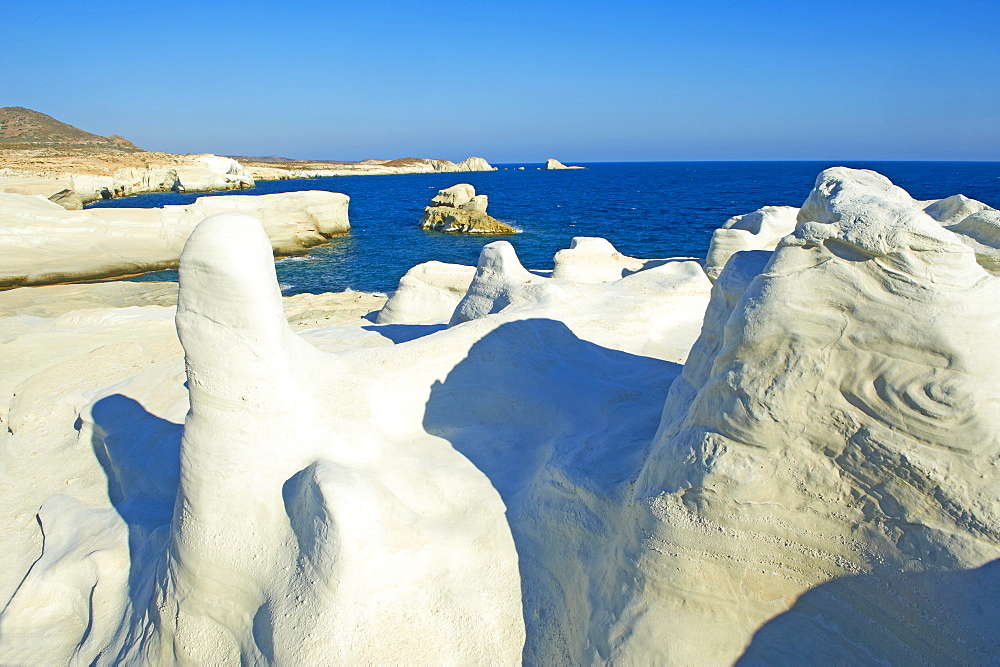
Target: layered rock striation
{"type": "Point", "coordinates": [795, 462]}
{"type": "Point", "coordinates": [459, 209]}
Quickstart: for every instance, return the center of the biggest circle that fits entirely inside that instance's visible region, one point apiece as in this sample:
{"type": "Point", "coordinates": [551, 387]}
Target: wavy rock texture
{"type": "Point", "coordinates": [542, 480]}
{"type": "Point", "coordinates": [836, 426]}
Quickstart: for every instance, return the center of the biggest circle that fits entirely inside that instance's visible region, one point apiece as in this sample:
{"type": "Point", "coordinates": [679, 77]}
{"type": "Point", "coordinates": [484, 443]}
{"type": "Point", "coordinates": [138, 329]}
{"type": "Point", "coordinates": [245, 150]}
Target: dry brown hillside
{"type": "Point", "coordinates": [20, 126]}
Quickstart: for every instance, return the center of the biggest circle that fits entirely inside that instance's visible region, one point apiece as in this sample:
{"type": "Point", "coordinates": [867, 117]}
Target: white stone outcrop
{"type": "Point", "coordinates": [952, 210]}
{"type": "Point", "coordinates": [369, 168]}
{"type": "Point", "coordinates": [593, 260]}
{"type": "Point", "coordinates": [830, 431]}
{"type": "Point", "coordinates": [181, 173]}
{"type": "Point", "coordinates": [555, 478]}
{"type": "Point", "coordinates": [59, 191]}
{"type": "Point", "coordinates": [981, 232]}
{"type": "Point", "coordinates": [552, 163]}
{"type": "Point", "coordinates": [42, 243]}
{"type": "Point", "coordinates": [459, 209]}
{"type": "Point", "coordinates": [760, 230]}
{"type": "Point", "coordinates": [427, 294]}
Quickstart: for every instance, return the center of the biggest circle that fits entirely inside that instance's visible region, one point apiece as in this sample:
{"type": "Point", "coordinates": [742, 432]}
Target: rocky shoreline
{"type": "Point", "coordinates": [785, 451]}
{"type": "Point", "coordinates": [74, 178]}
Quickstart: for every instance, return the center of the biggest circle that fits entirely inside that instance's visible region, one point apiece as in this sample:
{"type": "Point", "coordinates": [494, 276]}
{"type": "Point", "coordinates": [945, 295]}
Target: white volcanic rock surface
{"type": "Point", "coordinates": [427, 294]}
{"type": "Point", "coordinates": [557, 477]}
{"type": "Point", "coordinates": [42, 243]}
{"type": "Point", "coordinates": [760, 230]}
{"type": "Point", "coordinates": [593, 260]}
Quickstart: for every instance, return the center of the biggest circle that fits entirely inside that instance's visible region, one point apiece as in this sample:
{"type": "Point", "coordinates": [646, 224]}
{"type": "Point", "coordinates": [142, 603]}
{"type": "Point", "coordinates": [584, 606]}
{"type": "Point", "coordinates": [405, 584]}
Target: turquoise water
{"type": "Point", "coordinates": [646, 209]}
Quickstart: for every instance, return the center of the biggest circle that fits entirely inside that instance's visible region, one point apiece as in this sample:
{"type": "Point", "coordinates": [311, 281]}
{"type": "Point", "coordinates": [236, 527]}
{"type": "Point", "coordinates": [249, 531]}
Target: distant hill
{"type": "Point", "coordinates": [24, 126]}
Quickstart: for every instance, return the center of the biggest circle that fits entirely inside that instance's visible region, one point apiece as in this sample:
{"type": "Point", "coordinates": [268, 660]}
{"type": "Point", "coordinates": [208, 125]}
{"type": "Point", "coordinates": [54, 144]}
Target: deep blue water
{"type": "Point", "coordinates": [646, 209]}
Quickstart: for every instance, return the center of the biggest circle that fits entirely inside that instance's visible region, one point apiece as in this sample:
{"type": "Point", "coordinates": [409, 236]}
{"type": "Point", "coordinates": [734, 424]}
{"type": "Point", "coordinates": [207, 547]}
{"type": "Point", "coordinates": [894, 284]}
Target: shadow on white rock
{"type": "Point", "coordinates": [837, 419]}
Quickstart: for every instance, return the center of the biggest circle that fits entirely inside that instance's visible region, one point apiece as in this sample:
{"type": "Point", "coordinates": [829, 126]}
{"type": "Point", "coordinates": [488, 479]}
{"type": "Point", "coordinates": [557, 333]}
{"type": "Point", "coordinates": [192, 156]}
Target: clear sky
{"type": "Point", "coordinates": [518, 81]}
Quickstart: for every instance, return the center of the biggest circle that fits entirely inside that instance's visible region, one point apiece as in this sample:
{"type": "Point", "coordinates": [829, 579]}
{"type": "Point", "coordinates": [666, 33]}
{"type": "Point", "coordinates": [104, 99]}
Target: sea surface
{"type": "Point", "coordinates": [646, 209]}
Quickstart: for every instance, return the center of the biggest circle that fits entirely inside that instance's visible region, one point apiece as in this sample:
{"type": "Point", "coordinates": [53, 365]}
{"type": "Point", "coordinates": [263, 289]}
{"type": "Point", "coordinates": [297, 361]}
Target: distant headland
{"type": "Point", "coordinates": [42, 155]}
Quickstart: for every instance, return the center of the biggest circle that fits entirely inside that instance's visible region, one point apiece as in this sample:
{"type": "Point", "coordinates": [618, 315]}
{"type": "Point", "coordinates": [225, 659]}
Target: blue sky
{"type": "Point", "coordinates": [518, 81]}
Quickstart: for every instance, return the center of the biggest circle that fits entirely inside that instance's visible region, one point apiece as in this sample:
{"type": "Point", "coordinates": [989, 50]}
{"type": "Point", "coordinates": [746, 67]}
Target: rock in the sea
{"type": "Point", "coordinates": [552, 163]}
{"type": "Point", "coordinates": [760, 230]}
{"type": "Point", "coordinates": [44, 244]}
{"type": "Point", "coordinates": [459, 209]}
{"type": "Point", "coordinates": [474, 164]}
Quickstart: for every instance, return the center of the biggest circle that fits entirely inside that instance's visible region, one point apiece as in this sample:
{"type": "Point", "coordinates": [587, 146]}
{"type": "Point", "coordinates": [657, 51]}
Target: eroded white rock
{"type": "Point", "coordinates": [760, 230]}
{"type": "Point", "coordinates": [821, 482]}
{"type": "Point", "coordinates": [593, 260]}
{"type": "Point", "coordinates": [427, 294]}
{"type": "Point", "coordinates": [41, 243]}
{"type": "Point", "coordinates": [831, 431]}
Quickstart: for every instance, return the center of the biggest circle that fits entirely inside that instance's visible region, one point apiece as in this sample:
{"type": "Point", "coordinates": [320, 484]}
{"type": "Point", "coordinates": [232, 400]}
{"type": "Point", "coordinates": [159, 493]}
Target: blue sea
{"type": "Point", "coordinates": [646, 209]}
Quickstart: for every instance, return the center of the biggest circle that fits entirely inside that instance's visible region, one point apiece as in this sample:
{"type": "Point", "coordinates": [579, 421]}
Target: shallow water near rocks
{"type": "Point", "coordinates": [646, 209]}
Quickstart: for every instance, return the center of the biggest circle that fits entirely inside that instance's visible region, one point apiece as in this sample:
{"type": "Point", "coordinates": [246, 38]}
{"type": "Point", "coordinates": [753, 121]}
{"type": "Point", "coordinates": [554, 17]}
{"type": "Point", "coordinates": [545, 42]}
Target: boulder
{"type": "Point", "coordinates": [459, 209]}
{"type": "Point", "coordinates": [455, 196]}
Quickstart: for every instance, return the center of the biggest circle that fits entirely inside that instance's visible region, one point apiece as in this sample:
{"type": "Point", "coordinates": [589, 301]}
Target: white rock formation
{"type": "Point", "coordinates": [593, 260]}
{"type": "Point", "coordinates": [370, 168]}
{"type": "Point", "coordinates": [818, 484]}
{"type": "Point", "coordinates": [459, 209]}
{"type": "Point", "coordinates": [552, 163]}
{"type": "Point", "coordinates": [179, 173]}
{"type": "Point", "coordinates": [41, 243]}
{"type": "Point", "coordinates": [456, 196]}
{"type": "Point", "coordinates": [832, 430]}
{"type": "Point", "coordinates": [59, 191]}
{"type": "Point", "coordinates": [952, 210]}
{"type": "Point", "coordinates": [654, 312]}
{"type": "Point", "coordinates": [760, 230]}
{"type": "Point", "coordinates": [427, 294]}
{"type": "Point", "coordinates": [981, 231]}
{"type": "Point", "coordinates": [375, 533]}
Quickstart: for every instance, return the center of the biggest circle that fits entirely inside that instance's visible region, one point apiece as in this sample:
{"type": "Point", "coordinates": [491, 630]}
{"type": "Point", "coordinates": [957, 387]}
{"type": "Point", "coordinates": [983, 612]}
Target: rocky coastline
{"type": "Point", "coordinates": [42, 156]}
{"type": "Point", "coordinates": [783, 452]}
